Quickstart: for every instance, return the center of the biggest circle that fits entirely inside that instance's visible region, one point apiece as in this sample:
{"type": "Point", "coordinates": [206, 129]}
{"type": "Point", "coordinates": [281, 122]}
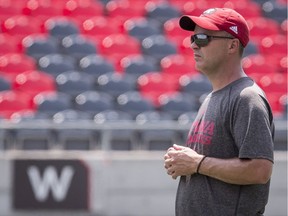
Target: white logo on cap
{"type": "Point", "coordinates": [234, 29]}
{"type": "Point", "coordinates": [209, 11]}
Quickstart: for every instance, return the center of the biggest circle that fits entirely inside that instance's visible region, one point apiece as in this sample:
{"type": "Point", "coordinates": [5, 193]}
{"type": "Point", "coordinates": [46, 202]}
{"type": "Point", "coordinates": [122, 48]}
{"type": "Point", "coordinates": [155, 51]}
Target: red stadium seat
{"type": "Point", "coordinates": [13, 64]}
{"type": "Point", "coordinates": [198, 7]}
{"type": "Point", "coordinates": [9, 8]}
{"type": "Point", "coordinates": [11, 102]}
{"type": "Point", "coordinates": [184, 47]}
{"type": "Point", "coordinates": [99, 27]}
{"type": "Point", "coordinates": [283, 64]}
{"type": "Point", "coordinates": [275, 87]}
{"type": "Point", "coordinates": [195, 8]}
{"type": "Point", "coordinates": [123, 44]}
{"type": "Point", "coordinates": [153, 84]}
{"type": "Point", "coordinates": [42, 9]}
{"type": "Point", "coordinates": [125, 9]}
{"type": "Point", "coordinates": [178, 3]}
{"type": "Point", "coordinates": [117, 46]}
{"type": "Point", "coordinates": [261, 27]}
{"type": "Point", "coordinates": [248, 9]}
{"type": "Point", "coordinates": [83, 9]}
{"type": "Point", "coordinates": [21, 27]}
{"type": "Point", "coordinates": [257, 64]}
{"type": "Point", "coordinates": [8, 44]}
{"type": "Point", "coordinates": [284, 26]}
{"type": "Point", "coordinates": [274, 44]}
{"type": "Point", "coordinates": [274, 83]}
{"type": "Point", "coordinates": [34, 82]}
{"type": "Point", "coordinates": [173, 31]}
{"type": "Point", "coordinates": [14, 3]}
{"type": "Point", "coordinates": [257, 76]}
{"type": "Point", "coordinates": [177, 65]}
{"type": "Point", "coordinates": [276, 102]}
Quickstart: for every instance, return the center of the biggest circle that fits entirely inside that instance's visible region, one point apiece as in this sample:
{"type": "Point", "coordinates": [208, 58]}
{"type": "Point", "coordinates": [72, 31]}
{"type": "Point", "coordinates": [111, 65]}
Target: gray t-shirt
{"type": "Point", "coordinates": [235, 121]}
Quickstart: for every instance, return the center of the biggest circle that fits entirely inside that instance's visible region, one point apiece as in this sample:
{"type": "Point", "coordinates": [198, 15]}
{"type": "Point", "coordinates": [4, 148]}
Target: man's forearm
{"type": "Point", "coordinates": [237, 171]}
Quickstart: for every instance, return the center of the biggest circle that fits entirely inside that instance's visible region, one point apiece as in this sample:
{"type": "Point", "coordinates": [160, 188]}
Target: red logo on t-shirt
{"type": "Point", "coordinates": [201, 132]}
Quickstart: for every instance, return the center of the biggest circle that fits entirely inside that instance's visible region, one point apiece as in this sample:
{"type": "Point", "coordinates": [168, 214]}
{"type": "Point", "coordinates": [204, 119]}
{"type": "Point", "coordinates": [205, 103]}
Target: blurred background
{"type": "Point", "coordinates": [93, 92]}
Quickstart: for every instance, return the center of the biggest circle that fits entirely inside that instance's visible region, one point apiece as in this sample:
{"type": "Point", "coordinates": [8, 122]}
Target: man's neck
{"type": "Point", "coordinates": [225, 77]}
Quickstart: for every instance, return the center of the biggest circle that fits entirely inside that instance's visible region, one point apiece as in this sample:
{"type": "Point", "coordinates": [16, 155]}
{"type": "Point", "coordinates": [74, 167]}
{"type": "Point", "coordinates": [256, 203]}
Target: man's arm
{"type": "Point", "coordinates": [237, 171]}
{"type": "Point", "coordinates": [184, 161]}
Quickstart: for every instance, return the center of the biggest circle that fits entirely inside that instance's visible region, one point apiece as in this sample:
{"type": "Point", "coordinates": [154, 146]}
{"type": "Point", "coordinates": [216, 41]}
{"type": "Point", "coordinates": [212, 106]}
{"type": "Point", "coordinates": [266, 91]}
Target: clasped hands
{"type": "Point", "coordinates": [181, 161]}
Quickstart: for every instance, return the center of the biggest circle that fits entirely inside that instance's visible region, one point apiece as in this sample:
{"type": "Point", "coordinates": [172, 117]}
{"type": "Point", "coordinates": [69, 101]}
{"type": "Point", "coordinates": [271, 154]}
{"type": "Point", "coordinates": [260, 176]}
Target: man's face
{"type": "Point", "coordinates": [209, 58]}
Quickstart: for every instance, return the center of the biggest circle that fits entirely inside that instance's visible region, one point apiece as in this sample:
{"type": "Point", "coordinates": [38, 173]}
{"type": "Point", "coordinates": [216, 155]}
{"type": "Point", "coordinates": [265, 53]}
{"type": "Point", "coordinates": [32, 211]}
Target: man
{"type": "Point", "coordinates": [226, 166]}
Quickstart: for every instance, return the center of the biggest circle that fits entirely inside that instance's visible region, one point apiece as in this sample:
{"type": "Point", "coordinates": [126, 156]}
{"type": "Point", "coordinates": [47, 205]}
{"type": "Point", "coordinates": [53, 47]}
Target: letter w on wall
{"type": "Point", "coordinates": [50, 181]}
{"type": "Point", "coordinates": [50, 184]}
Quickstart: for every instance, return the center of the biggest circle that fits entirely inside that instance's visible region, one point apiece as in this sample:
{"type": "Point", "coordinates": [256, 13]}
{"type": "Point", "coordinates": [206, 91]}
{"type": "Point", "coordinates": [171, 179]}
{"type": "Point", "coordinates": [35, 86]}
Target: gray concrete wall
{"type": "Point", "coordinates": [130, 184]}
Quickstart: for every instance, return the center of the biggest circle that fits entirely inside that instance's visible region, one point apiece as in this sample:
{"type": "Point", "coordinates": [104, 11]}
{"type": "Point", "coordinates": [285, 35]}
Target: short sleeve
{"type": "Point", "coordinates": [252, 126]}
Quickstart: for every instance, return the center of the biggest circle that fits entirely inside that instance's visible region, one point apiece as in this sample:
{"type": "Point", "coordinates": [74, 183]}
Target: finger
{"type": "Point", "coordinates": [169, 160]}
{"type": "Point", "coordinates": [166, 166]}
{"type": "Point", "coordinates": [174, 176]}
{"type": "Point", "coordinates": [167, 163]}
{"type": "Point", "coordinates": [178, 147]}
{"type": "Point", "coordinates": [169, 172]}
{"type": "Point", "coordinates": [166, 156]}
{"type": "Point", "coordinates": [171, 154]}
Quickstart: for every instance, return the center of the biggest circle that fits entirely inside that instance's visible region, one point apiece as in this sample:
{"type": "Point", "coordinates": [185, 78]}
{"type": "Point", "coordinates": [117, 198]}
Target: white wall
{"type": "Point", "coordinates": [130, 184]}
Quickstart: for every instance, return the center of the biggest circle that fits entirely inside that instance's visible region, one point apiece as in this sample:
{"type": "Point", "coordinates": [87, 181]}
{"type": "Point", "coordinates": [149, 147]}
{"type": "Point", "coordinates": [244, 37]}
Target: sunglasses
{"type": "Point", "coordinates": [202, 40]}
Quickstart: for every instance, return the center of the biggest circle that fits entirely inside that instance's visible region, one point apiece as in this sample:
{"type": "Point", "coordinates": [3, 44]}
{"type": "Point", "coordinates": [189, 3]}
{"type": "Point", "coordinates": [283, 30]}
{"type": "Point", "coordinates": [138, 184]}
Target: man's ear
{"type": "Point", "coordinates": [234, 45]}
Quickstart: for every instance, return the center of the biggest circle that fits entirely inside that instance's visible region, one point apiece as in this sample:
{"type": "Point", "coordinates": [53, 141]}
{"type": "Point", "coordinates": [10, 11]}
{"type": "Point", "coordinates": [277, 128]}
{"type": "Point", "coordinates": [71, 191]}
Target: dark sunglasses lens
{"type": "Point", "coordinates": [201, 40]}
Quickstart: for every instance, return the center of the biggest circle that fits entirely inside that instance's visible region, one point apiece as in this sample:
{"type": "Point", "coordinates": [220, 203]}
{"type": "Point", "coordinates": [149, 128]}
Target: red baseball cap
{"type": "Point", "coordinates": [219, 19]}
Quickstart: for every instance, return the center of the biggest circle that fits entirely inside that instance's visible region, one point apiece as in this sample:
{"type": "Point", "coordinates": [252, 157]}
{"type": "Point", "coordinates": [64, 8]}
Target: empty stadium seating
{"type": "Point", "coordinates": [133, 103]}
{"type": "Point", "coordinates": [74, 82]}
{"type": "Point", "coordinates": [55, 64]}
{"type": "Point", "coordinates": [93, 102]}
{"type": "Point", "coordinates": [121, 60]}
{"type": "Point", "coordinates": [153, 139]}
{"type": "Point", "coordinates": [118, 139]}
{"type": "Point", "coordinates": [178, 103]}
{"type": "Point", "coordinates": [52, 102]}
{"type": "Point", "coordinates": [115, 84]}
{"type": "Point", "coordinates": [137, 65]}
{"type": "Point", "coordinates": [37, 46]}
{"type": "Point", "coordinates": [141, 28]}
{"type": "Point", "coordinates": [95, 65]}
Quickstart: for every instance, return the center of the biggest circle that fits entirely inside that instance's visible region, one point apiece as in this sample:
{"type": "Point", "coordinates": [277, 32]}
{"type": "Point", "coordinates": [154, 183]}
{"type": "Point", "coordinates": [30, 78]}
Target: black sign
{"type": "Point", "coordinates": [50, 184]}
